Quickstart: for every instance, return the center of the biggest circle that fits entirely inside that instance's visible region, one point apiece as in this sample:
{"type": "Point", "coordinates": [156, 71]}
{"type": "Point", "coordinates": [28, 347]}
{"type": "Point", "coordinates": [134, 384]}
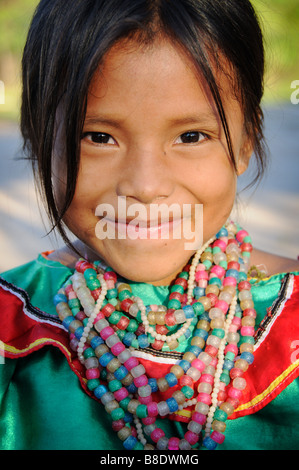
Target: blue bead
{"type": "Point", "coordinates": [105, 359]}
{"type": "Point", "coordinates": [130, 443]}
{"type": "Point", "coordinates": [249, 357]}
{"type": "Point", "coordinates": [59, 298]}
{"type": "Point", "coordinates": [172, 404]}
{"type": "Point", "coordinates": [132, 388]}
{"type": "Point", "coordinates": [185, 365]}
{"type": "Point", "coordinates": [96, 341]}
{"type": "Point", "coordinates": [121, 373]}
{"type": "Point", "coordinates": [228, 364]}
{"type": "Point", "coordinates": [195, 350]}
{"type": "Point", "coordinates": [128, 338]}
{"type": "Point", "coordinates": [171, 379]}
{"type": "Point", "coordinates": [67, 321]}
{"type": "Point", "coordinates": [201, 333]}
{"type": "Point", "coordinates": [153, 383]}
{"type": "Point", "coordinates": [79, 332]}
{"type": "Point", "coordinates": [100, 391]}
{"type": "Point", "coordinates": [199, 292]}
{"type": "Point", "coordinates": [143, 341]}
{"type": "Point", "coordinates": [232, 273]}
{"type": "Point", "coordinates": [222, 233]}
{"type": "Point", "coordinates": [128, 418]}
{"type": "Point", "coordinates": [209, 443]}
{"type": "Point", "coordinates": [188, 310]}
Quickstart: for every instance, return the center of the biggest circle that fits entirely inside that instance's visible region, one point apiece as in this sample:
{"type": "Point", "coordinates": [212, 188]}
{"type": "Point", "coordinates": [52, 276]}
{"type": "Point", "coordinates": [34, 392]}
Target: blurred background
{"type": "Point", "coordinates": [269, 211]}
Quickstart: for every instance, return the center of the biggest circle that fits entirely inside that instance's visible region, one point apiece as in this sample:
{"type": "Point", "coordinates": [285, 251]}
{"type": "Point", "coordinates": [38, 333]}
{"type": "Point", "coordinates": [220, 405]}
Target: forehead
{"type": "Point", "coordinates": [161, 74]}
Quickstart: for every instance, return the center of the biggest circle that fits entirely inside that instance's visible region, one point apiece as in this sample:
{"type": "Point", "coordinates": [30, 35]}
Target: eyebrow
{"type": "Point", "coordinates": [199, 119]}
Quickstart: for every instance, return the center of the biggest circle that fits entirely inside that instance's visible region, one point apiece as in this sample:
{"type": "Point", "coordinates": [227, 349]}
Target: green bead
{"type": "Point", "coordinates": [114, 385]}
{"type": "Point", "coordinates": [135, 344]}
{"type": "Point", "coordinates": [215, 280]}
{"type": "Point", "coordinates": [117, 413]}
{"type": "Point", "coordinates": [74, 303]}
{"type": "Point", "coordinates": [207, 263]}
{"type": "Point", "coordinates": [93, 284]}
{"type": "Point", "coordinates": [111, 293]}
{"type": "Point", "coordinates": [223, 264]}
{"type": "Point", "coordinates": [174, 303]}
{"type": "Point", "coordinates": [216, 249]}
{"type": "Point", "coordinates": [138, 446]}
{"type": "Point", "coordinates": [218, 332]}
{"type": "Point", "coordinates": [220, 415]}
{"type": "Point", "coordinates": [247, 339]}
{"type": "Point", "coordinates": [121, 334]}
{"type": "Point", "coordinates": [132, 326]}
{"type": "Point", "coordinates": [90, 274]}
{"type": "Point", "coordinates": [184, 275]}
{"type": "Point", "coordinates": [125, 403]}
{"type": "Point", "coordinates": [89, 352]}
{"type": "Point", "coordinates": [198, 308]}
{"type": "Point", "coordinates": [141, 411]}
{"type": "Point", "coordinates": [177, 288]}
{"type": "Point", "coordinates": [247, 239]}
{"type": "Point", "coordinates": [114, 317]}
{"type": "Point", "coordinates": [224, 377]}
{"type": "Point", "coordinates": [124, 294]}
{"type": "Point", "coordinates": [230, 356]}
{"type": "Point", "coordinates": [187, 391]}
{"type": "Point", "coordinates": [92, 384]}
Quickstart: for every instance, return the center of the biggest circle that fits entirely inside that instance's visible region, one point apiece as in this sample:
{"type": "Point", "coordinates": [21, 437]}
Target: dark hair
{"type": "Point", "coordinates": [68, 39]}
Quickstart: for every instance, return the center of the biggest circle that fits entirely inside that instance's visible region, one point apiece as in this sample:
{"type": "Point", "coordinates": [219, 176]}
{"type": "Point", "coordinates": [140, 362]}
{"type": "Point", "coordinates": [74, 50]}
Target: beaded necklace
{"type": "Point", "coordinates": [210, 304]}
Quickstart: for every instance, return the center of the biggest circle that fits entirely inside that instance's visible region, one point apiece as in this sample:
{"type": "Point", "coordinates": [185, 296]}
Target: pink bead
{"type": "Point", "coordinates": [173, 443]}
{"type": "Point", "coordinates": [152, 409]}
{"type": "Point", "coordinates": [237, 321]}
{"type": "Point", "coordinates": [157, 434]}
{"type": "Point", "coordinates": [121, 394]}
{"type": "Point", "coordinates": [198, 364]}
{"type": "Point", "coordinates": [201, 275]}
{"type": "Point", "coordinates": [140, 381]}
{"type": "Point", "coordinates": [99, 316]}
{"type": "Point", "coordinates": [204, 398]}
{"type": "Point", "coordinates": [249, 312]}
{"type": "Point", "coordinates": [145, 400]}
{"type": "Point", "coordinates": [221, 244]}
{"type": "Point", "coordinates": [118, 348]}
{"type": "Point", "coordinates": [106, 332]}
{"type": "Point", "coordinates": [199, 418]}
{"type": "Point", "coordinates": [207, 378]}
{"type": "Point", "coordinates": [110, 275]}
{"type": "Point", "coordinates": [241, 235]}
{"type": "Point", "coordinates": [247, 331]}
{"type": "Point", "coordinates": [92, 374]}
{"type": "Point", "coordinates": [222, 305]}
{"type": "Point", "coordinates": [235, 393]}
{"type": "Point", "coordinates": [148, 420]}
{"type": "Point", "coordinates": [230, 281]}
{"type": "Point", "coordinates": [218, 270]}
{"type": "Point", "coordinates": [218, 437]}
{"type": "Point", "coordinates": [244, 285]}
{"type": "Point", "coordinates": [191, 437]}
{"type": "Point", "coordinates": [131, 362]}
{"type": "Point", "coordinates": [231, 348]}
{"type": "Point", "coordinates": [235, 372]}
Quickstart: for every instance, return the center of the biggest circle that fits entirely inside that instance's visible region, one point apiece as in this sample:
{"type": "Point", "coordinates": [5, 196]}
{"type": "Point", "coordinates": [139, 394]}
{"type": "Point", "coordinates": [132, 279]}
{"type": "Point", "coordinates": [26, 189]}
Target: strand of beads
{"type": "Point", "coordinates": [208, 361]}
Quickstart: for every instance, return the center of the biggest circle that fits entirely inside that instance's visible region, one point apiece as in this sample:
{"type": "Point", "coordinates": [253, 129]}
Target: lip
{"type": "Point", "coordinates": [144, 229]}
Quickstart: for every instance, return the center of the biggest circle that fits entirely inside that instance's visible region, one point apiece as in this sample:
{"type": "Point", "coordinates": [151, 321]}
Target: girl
{"type": "Point", "coordinates": [132, 108]}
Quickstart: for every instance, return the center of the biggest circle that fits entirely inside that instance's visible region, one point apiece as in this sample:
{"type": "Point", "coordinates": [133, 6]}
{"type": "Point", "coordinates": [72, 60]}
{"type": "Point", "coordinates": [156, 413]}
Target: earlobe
{"type": "Point", "coordinates": [244, 157]}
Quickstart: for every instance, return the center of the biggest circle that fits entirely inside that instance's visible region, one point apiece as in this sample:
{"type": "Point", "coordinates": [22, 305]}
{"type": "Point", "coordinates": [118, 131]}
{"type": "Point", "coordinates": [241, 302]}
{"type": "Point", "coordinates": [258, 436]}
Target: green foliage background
{"type": "Point", "coordinates": [279, 18]}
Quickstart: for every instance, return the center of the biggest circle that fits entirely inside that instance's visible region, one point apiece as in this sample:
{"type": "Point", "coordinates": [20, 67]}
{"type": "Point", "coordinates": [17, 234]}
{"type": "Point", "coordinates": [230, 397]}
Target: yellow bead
{"type": "Point", "coordinates": [162, 384]}
{"type": "Point", "coordinates": [218, 426]}
{"type": "Point", "coordinates": [227, 407]}
{"type": "Point", "coordinates": [188, 356]}
{"type": "Point", "coordinates": [177, 370]}
{"type": "Point", "coordinates": [203, 325]}
{"type": "Point", "coordinates": [197, 341]}
{"type": "Point", "coordinates": [179, 397]}
{"type": "Point", "coordinates": [160, 318]}
{"type": "Point", "coordinates": [206, 302]}
{"type": "Point", "coordinates": [151, 317]}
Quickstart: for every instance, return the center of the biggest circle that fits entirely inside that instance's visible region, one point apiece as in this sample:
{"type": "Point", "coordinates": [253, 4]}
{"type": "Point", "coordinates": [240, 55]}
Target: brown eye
{"type": "Point", "coordinates": [99, 138]}
{"type": "Point", "coordinates": [191, 137]}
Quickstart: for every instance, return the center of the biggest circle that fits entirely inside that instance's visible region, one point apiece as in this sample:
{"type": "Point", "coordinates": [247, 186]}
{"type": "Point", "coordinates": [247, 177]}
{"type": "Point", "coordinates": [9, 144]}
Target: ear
{"type": "Point", "coordinates": [244, 155]}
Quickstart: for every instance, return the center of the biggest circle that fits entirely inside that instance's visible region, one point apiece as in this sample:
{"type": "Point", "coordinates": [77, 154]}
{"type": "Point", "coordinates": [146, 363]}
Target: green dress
{"type": "Point", "coordinates": [43, 405]}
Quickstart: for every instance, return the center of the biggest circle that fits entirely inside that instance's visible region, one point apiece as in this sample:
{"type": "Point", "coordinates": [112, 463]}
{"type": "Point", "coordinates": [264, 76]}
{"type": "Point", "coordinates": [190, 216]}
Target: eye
{"type": "Point", "coordinates": [191, 137]}
{"type": "Point", "coordinates": [99, 138]}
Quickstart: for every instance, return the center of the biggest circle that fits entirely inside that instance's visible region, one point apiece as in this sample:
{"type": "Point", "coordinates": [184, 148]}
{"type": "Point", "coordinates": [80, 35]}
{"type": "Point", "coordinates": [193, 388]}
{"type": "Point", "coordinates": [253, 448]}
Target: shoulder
{"type": "Point", "coordinates": [273, 264]}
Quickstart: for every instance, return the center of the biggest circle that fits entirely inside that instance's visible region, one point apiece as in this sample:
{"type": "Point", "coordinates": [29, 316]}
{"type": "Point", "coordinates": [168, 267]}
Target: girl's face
{"type": "Point", "coordinates": [152, 137]}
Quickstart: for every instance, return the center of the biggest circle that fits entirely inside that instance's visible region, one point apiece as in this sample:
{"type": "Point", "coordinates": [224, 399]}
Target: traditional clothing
{"type": "Point", "coordinates": [45, 403]}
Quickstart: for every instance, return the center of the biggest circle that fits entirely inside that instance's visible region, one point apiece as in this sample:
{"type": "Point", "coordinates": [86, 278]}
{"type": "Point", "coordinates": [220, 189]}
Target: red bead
{"type": "Point", "coordinates": [244, 285]}
{"type": "Point", "coordinates": [161, 329]}
{"type": "Point", "coordinates": [246, 247]}
{"type": "Point", "coordinates": [96, 293]}
{"type": "Point", "coordinates": [126, 304]}
{"type": "Point", "coordinates": [108, 309]}
{"type": "Point", "coordinates": [181, 282]}
{"type": "Point", "coordinates": [211, 350]}
{"type": "Point", "coordinates": [186, 380]}
{"type": "Point", "coordinates": [118, 425]}
{"type": "Point", "coordinates": [158, 345]}
{"type": "Point", "coordinates": [176, 295]}
{"type": "Point", "coordinates": [233, 265]}
{"type": "Point", "coordinates": [213, 298]}
{"type": "Point", "coordinates": [110, 276]}
{"type": "Point", "coordinates": [123, 323]}
{"type": "Point", "coordinates": [170, 318]}
{"type": "Point", "coordinates": [234, 373]}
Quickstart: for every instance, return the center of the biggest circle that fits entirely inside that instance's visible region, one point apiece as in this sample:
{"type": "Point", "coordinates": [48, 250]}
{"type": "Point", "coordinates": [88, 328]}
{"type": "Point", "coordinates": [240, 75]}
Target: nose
{"type": "Point", "coordinates": [146, 175]}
